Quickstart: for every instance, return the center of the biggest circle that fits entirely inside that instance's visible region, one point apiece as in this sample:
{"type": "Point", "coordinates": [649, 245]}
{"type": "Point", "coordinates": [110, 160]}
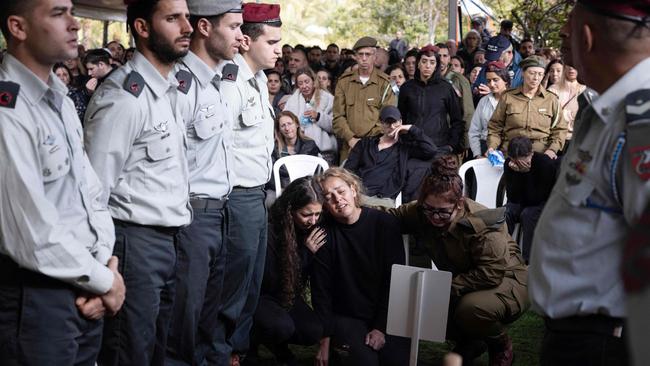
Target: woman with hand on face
{"type": "Point", "coordinates": [488, 287]}
{"type": "Point", "coordinates": [313, 106]}
{"type": "Point", "coordinates": [351, 277]}
{"type": "Point", "coordinates": [283, 317]}
{"type": "Point", "coordinates": [498, 80]}
{"type": "Point", "coordinates": [274, 85]}
{"type": "Point", "coordinates": [529, 110]}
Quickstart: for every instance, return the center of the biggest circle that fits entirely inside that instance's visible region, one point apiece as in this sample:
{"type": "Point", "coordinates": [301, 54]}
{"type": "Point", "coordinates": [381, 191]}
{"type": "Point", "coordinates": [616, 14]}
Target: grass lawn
{"type": "Point", "coordinates": [526, 334]}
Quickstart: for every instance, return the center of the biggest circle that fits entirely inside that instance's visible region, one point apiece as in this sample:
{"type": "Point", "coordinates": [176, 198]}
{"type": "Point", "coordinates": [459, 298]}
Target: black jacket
{"type": "Point", "coordinates": [435, 108]}
{"type": "Point", "coordinates": [533, 187]}
{"type": "Point", "coordinates": [363, 161]}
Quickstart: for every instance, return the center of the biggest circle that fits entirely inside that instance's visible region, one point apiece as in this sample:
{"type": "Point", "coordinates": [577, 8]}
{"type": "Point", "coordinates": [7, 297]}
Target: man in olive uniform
{"type": "Point", "coordinates": [57, 276]}
{"type": "Point", "coordinates": [359, 97]}
{"type": "Point", "coordinates": [602, 189]}
{"type": "Point", "coordinates": [529, 110]}
{"type": "Point", "coordinates": [135, 138]}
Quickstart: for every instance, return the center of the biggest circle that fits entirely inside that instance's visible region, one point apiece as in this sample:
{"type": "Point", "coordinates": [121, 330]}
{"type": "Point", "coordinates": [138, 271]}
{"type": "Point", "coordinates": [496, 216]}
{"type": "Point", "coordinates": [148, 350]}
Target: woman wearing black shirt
{"type": "Point", "coordinates": [283, 317]}
{"type": "Point", "coordinates": [351, 276]}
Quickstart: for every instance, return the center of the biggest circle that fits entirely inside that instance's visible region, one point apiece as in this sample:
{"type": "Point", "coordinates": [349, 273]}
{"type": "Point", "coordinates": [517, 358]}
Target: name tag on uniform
{"type": "Point", "coordinates": [541, 110]}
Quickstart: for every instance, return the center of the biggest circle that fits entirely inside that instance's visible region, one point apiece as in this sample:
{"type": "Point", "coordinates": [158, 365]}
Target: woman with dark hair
{"type": "Point", "coordinates": [351, 276]}
{"type": "Point", "coordinates": [411, 63]}
{"type": "Point", "coordinates": [313, 106]}
{"type": "Point", "coordinates": [498, 80]}
{"type": "Point", "coordinates": [274, 85]}
{"type": "Point", "coordinates": [430, 102]}
{"type": "Point", "coordinates": [79, 97]}
{"type": "Point", "coordinates": [283, 317]}
{"type": "Point", "coordinates": [553, 72]}
{"type": "Point", "coordinates": [488, 288]}
{"type": "Point", "coordinates": [397, 76]}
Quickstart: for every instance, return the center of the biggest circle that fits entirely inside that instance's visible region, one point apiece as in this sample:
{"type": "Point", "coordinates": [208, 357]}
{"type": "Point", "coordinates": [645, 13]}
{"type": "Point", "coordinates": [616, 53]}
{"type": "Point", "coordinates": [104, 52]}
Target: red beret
{"type": "Point", "coordinates": [429, 48]}
{"type": "Point", "coordinates": [261, 13]}
{"type": "Point", "coordinates": [634, 10]}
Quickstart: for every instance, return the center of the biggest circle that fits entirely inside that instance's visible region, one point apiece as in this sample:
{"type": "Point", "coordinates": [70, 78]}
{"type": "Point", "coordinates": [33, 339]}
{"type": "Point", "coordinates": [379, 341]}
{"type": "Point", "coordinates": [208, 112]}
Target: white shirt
{"type": "Point", "coordinates": [577, 247]}
{"type": "Point", "coordinates": [137, 145]}
{"type": "Point", "coordinates": [320, 131]}
{"type": "Point", "coordinates": [478, 129]}
{"type": "Point", "coordinates": [52, 217]}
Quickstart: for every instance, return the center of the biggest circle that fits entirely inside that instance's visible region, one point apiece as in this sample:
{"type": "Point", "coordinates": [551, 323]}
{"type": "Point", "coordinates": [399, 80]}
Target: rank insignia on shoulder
{"type": "Point", "coordinates": [184, 81]}
{"type": "Point", "coordinates": [134, 83]}
{"type": "Point", "coordinates": [230, 72]}
{"type": "Point", "coordinates": [8, 94]}
{"type": "Point", "coordinates": [637, 105]}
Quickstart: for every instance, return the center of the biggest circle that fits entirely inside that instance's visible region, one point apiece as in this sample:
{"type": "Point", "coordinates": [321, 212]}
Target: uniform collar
{"type": "Point", "coordinates": [31, 87]}
{"type": "Point", "coordinates": [371, 79]}
{"type": "Point", "coordinates": [608, 105]}
{"type": "Point", "coordinates": [200, 69]}
{"type": "Point", "coordinates": [245, 71]}
{"type": "Point", "coordinates": [541, 91]}
{"type": "Point", "coordinates": [156, 82]}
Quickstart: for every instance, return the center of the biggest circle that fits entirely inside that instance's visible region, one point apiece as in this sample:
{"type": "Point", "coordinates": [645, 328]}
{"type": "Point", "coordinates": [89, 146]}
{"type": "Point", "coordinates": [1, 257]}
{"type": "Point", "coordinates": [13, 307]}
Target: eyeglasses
{"type": "Point", "coordinates": [437, 212]}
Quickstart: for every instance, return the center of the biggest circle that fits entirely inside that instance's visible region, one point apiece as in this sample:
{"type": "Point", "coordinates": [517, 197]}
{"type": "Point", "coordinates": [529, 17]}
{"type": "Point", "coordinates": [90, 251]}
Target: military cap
{"type": "Point", "coordinates": [430, 48]}
{"type": "Point", "coordinates": [637, 11]}
{"type": "Point", "coordinates": [532, 61]}
{"type": "Point", "coordinates": [495, 47]}
{"type": "Point", "coordinates": [210, 8]}
{"type": "Point", "coordinates": [388, 113]}
{"type": "Point", "coordinates": [365, 42]}
{"type": "Point", "coordinates": [261, 13]}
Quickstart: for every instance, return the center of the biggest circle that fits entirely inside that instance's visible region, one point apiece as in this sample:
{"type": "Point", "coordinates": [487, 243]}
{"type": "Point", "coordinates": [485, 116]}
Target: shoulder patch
{"type": "Point", "coordinates": [229, 72]}
{"type": "Point", "coordinates": [8, 94]}
{"type": "Point", "coordinates": [637, 105]}
{"type": "Point", "coordinates": [134, 83]}
{"type": "Point", "coordinates": [184, 78]}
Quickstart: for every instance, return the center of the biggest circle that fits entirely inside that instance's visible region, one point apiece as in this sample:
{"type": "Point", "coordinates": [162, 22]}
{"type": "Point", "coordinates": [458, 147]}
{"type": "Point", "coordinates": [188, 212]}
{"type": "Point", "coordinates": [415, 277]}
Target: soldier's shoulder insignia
{"type": "Point", "coordinates": [184, 78]}
{"type": "Point", "coordinates": [8, 94]}
{"type": "Point", "coordinates": [229, 72]}
{"type": "Point", "coordinates": [134, 83]}
{"type": "Point", "coordinates": [637, 105]}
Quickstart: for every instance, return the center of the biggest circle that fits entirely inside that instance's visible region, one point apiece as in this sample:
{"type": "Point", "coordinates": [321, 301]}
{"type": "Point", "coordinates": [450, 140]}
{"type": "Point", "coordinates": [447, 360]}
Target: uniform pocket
{"type": "Point", "coordinates": [251, 117]}
{"type": "Point", "coordinates": [207, 128]}
{"type": "Point", "coordinates": [161, 171]}
{"type": "Point", "coordinates": [158, 150]}
{"type": "Point", "coordinates": [55, 162]}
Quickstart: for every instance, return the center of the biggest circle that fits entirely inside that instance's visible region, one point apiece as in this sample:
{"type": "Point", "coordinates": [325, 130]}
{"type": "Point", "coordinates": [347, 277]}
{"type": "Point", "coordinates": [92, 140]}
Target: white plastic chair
{"type": "Point", "coordinates": [487, 181]}
{"type": "Point", "coordinates": [297, 166]}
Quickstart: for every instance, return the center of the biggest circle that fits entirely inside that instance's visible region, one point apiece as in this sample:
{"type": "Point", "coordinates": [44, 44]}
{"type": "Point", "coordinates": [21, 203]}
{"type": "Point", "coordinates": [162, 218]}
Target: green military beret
{"type": "Point", "coordinates": [532, 61]}
{"type": "Point", "coordinates": [365, 42]}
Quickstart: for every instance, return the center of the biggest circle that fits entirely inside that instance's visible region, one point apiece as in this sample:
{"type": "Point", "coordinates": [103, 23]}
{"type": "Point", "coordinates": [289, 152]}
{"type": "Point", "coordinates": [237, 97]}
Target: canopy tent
{"type": "Point", "coordinates": [106, 10]}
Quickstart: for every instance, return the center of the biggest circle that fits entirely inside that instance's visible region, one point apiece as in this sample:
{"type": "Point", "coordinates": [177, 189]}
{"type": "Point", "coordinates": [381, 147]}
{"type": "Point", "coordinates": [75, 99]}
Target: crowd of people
{"type": "Point", "coordinates": [139, 223]}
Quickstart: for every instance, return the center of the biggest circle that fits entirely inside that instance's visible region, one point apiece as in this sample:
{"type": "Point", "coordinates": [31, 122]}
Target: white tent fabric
{"type": "Point", "coordinates": [101, 9]}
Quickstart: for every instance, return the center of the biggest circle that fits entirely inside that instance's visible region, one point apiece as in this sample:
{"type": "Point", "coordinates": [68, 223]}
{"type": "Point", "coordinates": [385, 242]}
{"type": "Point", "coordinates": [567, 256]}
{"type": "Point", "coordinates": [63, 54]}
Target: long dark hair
{"type": "Point", "coordinates": [295, 196]}
{"type": "Point", "coordinates": [436, 76]}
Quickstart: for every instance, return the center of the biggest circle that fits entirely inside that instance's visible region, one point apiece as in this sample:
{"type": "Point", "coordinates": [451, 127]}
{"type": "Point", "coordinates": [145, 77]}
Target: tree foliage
{"type": "Point", "coordinates": [539, 20]}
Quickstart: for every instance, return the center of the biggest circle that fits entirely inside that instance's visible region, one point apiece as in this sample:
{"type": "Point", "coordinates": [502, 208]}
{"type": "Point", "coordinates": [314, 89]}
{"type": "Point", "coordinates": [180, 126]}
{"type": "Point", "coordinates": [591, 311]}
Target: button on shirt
{"type": "Point", "coordinates": [209, 132]}
{"type": "Point", "coordinates": [248, 101]}
{"type": "Point", "coordinates": [578, 243]}
{"type": "Point", "coordinates": [137, 146]}
{"type": "Point", "coordinates": [52, 218]}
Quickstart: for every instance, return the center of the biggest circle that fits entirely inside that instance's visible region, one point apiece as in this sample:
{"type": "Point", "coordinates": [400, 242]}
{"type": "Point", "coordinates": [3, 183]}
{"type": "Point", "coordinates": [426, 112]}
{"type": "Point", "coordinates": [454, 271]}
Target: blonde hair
{"type": "Point", "coordinates": [280, 143]}
{"type": "Point", "coordinates": [348, 177]}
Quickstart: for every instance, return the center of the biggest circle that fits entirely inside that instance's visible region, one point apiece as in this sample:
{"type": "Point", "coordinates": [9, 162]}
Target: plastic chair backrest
{"type": "Point", "coordinates": [487, 181]}
{"type": "Point", "coordinates": [297, 166]}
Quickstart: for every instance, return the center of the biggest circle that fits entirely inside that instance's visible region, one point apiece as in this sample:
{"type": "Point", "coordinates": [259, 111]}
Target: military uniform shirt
{"type": "Point", "coordinates": [578, 243]}
{"type": "Point", "coordinates": [248, 101]}
{"type": "Point", "coordinates": [52, 218]}
{"type": "Point", "coordinates": [209, 132]}
{"type": "Point", "coordinates": [137, 146]}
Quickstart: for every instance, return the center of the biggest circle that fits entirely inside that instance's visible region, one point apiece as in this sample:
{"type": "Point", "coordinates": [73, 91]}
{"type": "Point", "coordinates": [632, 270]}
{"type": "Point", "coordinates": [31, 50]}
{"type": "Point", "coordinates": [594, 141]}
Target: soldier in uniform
{"type": "Point", "coordinates": [135, 138]}
{"type": "Point", "coordinates": [602, 189]}
{"type": "Point", "coordinates": [488, 288]}
{"type": "Point", "coordinates": [247, 97]}
{"type": "Point", "coordinates": [201, 249]}
{"type": "Point", "coordinates": [57, 276]}
{"type": "Point", "coordinates": [359, 97]}
{"type": "Point", "coordinates": [529, 110]}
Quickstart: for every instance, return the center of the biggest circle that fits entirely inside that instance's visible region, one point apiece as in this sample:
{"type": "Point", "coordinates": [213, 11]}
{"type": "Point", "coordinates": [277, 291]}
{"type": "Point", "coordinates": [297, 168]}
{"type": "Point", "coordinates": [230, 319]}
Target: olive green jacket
{"type": "Point", "coordinates": [476, 248]}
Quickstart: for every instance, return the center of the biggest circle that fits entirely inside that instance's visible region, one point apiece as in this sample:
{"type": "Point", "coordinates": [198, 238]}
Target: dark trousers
{"type": "Point", "coordinates": [246, 248]}
{"type": "Point", "coordinates": [200, 268]}
{"type": "Point", "coordinates": [350, 335]}
{"type": "Point", "coordinates": [137, 335]}
{"type": "Point", "coordinates": [583, 341]}
{"type": "Point", "coordinates": [40, 323]}
{"type": "Point", "coordinates": [275, 326]}
{"type": "Point", "coordinates": [528, 217]}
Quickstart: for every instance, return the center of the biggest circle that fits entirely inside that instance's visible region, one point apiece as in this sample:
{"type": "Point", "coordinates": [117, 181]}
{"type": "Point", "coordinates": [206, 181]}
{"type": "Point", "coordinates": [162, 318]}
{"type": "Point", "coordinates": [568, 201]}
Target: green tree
{"type": "Point", "coordinates": [539, 20]}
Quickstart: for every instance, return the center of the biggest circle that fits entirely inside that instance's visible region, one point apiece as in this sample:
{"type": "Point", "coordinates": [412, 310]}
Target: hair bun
{"type": "Point", "coordinates": [445, 165]}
